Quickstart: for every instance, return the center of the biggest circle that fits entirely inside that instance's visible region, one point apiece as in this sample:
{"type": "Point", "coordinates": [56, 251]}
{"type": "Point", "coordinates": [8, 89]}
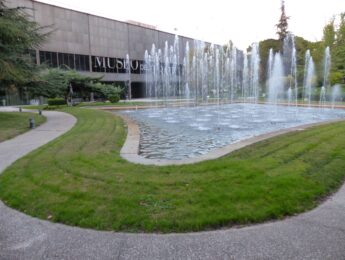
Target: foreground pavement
{"type": "Point", "coordinates": [318, 234]}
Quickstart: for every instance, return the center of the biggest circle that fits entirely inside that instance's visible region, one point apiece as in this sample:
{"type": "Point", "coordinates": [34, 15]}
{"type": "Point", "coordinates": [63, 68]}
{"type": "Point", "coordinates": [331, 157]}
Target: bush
{"type": "Point", "coordinates": [336, 77]}
{"type": "Point", "coordinates": [114, 98]}
{"type": "Point", "coordinates": [56, 101]}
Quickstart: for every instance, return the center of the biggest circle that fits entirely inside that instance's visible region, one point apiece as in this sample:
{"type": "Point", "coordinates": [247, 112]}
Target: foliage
{"type": "Point", "coordinates": [114, 98]}
{"type": "Point", "coordinates": [107, 91]}
{"type": "Point", "coordinates": [264, 47]}
{"type": "Point", "coordinates": [340, 40]}
{"type": "Point", "coordinates": [56, 101]}
{"type": "Point", "coordinates": [282, 26]}
{"type": "Point", "coordinates": [18, 34]}
{"type": "Point", "coordinates": [329, 34]}
{"type": "Point", "coordinates": [338, 53]}
{"type": "Point", "coordinates": [80, 179]}
{"type": "Point", "coordinates": [52, 83]}
{"type": "Point", "coordinates": [334, 37]}
{"type": "Point", "coordinates": [302, 45]}
{"type": "Point", "coordinates": [57, 82]}
{"type": "Point", "coordinates": [336, 77]}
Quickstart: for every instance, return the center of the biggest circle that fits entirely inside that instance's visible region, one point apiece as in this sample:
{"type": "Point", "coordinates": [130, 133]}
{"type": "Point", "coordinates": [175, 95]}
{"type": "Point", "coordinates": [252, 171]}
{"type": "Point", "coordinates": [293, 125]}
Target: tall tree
{"type": "Point", "coordinates": [282, 26]}
{"type": "Point", "coordinates": [339, 49]}
{"type": "Point", "coordinates": [341, 30]}
{"type": "Point", "coordinates": [329, 33]}
{"type": "Point", "coordinates": [18, 35]}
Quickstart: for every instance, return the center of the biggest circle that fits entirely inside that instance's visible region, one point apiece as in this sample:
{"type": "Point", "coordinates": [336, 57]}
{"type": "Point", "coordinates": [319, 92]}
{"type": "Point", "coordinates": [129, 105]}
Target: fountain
{"type": "Point", "coordinates": [254, 70]}
{"type": "Point", "coordinates": [210, 72]}
{"type": "Point", "coordinates": [326, 67]}
{"type": "Point", "coordinates": [234, 70]}
{"type": "Point", "coordinates": [245, 79]}
{"type": "Point", "coordinates": [336, 94]}
{"type": "Point", "coordinates": [289, 95]}
{"type": "Point", "coordinates": [322, 102]}
{"type": "Point", "coordinates": [309, 78]}
{"type": "Point", "coordinates": [290, 65]}
{"type": "Point", "coordinates": [276, 80]}
{"type": "Point", "coordinates": [221, 87]}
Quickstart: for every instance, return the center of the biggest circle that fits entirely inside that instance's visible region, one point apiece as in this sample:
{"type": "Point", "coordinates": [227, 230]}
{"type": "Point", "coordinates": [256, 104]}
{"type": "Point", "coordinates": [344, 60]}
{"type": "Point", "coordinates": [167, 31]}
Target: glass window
{"type": "Point", "coordinates": [48, 58]}
{"type": "Point", "coordinates": [82, 62]}
{"type": "Point", "coordinates": [66, 60]}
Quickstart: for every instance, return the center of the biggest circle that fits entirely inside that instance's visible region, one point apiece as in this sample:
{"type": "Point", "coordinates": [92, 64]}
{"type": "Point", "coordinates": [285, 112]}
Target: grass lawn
{"type": "Point", "coordinates": [15, 123]}
{"type": "Point", "coordinates": [80, 179]}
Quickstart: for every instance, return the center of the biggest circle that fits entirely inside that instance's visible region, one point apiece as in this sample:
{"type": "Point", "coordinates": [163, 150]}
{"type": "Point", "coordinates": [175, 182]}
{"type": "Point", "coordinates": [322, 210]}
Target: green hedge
{"type": "Point", "coordinates": [56, 101]}
{"type": "Point", "coordinates": [114, 98]}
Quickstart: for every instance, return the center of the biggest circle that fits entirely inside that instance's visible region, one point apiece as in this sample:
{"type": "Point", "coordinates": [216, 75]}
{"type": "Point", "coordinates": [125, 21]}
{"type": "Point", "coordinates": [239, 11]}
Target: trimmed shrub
{"type": "Point", "coordinates": [114, 98]}
{"type": "Point", "coordinates": [56, 101]}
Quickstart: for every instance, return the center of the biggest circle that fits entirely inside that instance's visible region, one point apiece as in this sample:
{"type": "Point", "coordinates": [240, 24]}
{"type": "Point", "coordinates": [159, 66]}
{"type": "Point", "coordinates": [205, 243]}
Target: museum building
{"type": "Point", "coordinates": [97, 46]}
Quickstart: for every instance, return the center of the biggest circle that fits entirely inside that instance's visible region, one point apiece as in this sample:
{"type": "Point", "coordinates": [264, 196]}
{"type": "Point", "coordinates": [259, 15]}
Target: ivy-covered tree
{"type": "Point", "coordinates": [18, 35]}
{"type": "Point", "coordinates": [282, 26]}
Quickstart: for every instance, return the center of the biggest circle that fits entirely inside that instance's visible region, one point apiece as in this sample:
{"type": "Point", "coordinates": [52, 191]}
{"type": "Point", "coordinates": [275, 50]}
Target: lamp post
{"type": "Point", "coordinates": [31, 123]}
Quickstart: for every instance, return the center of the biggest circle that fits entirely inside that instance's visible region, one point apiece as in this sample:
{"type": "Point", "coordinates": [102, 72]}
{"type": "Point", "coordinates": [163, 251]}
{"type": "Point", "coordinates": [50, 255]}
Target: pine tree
{"type": "Point", "coordinates": [18, 35]}
{"type": "Point", "coordinates": [282, 26]}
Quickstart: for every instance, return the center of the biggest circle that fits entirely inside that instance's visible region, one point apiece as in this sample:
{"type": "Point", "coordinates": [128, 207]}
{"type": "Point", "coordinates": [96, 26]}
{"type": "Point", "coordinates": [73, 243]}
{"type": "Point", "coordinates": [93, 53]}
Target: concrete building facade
{"type": "Point", "coordinates": [95, 45]}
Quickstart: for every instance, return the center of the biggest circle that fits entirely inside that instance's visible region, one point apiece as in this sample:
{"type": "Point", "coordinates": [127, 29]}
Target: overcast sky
{"type": "Point", "coordinates": [218, 21]}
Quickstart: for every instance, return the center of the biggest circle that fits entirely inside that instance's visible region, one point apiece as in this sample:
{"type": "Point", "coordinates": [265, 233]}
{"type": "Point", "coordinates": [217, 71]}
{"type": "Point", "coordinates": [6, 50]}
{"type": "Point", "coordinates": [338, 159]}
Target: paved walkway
{"type": "Point", "coordinates": [318, 234]}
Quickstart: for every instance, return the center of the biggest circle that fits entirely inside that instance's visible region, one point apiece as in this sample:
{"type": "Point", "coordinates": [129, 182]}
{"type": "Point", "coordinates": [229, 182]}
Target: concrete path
{"type": "Point", "coordinates": [57, 124]}
{"type": "Point", "coordinates": [318, 234]}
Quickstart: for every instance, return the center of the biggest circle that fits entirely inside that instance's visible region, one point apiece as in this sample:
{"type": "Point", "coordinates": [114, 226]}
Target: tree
{"type": "Point", "coordinates": [265, 46]}
{"type": "Point", "coordinates": [341, 30]}
{"type": "Point", "coordinates": [329, 34]}
{"type": "Point", "coordinates": [282, 26]}
{"type": "Point", "coordinates": [338, 57]}
{"type": "Point", "coordinates": [58, 83]}
{"type": "Point", "coordinates": [18, 35]}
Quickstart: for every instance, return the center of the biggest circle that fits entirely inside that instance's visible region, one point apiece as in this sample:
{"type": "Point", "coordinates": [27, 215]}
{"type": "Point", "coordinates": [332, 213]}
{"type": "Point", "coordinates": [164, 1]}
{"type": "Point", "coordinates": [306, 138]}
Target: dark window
{"type": "Point", "coordinates": [54, 59]}
{"type": "Point", "coordinates": [48, 58]}
{"type": "Point", "coordinates": [82, 62]}
{"type": "Point", "coordinates": [66, 60]}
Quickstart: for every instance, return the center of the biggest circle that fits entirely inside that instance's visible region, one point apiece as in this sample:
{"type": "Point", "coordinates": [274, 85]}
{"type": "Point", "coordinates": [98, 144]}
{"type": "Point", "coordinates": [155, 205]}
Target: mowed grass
{"type": "Point", "coordinates": [80, 179]}
{"type": "Point", "coordinates": [15, 123]}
